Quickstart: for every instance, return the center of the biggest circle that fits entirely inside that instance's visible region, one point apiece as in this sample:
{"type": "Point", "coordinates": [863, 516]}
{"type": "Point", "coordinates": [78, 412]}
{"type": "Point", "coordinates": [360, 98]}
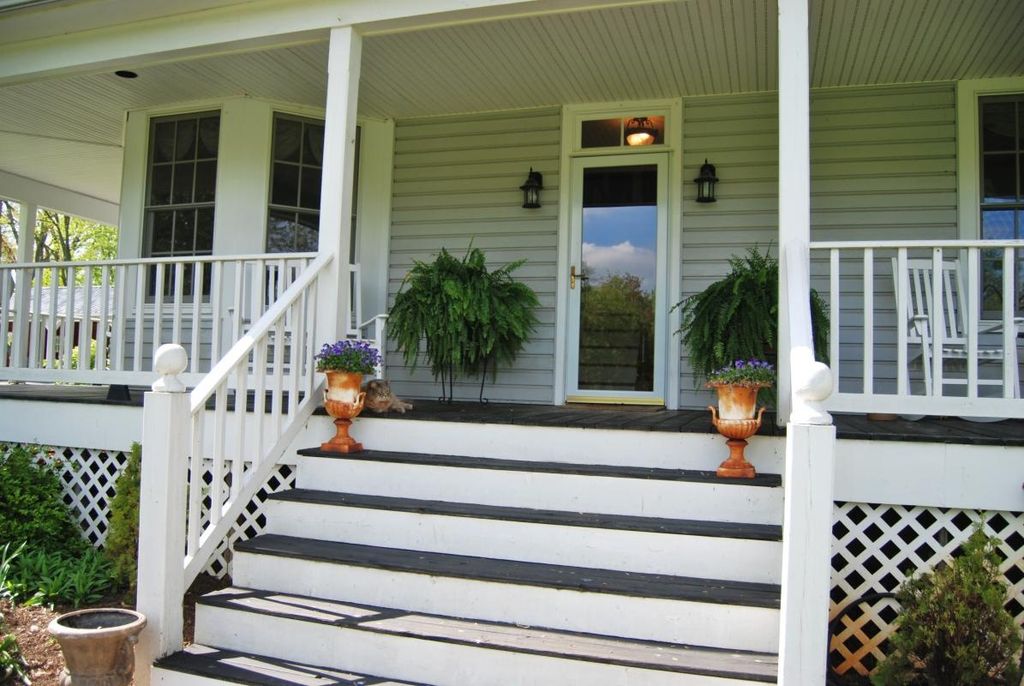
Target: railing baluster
{"type": "Point", "coordinates": [197, 313]}
{"type": "Point", "coordinates": [236, 327]}
{"type": "Point", "coordinates": [869, 321]}
{"type": "Point", "coordinates": [52, 341]}
{"type": "Point", "coordinates": [972, 319]}
{"type": "Point", "coordinates": [219, 448]}
{"type": "Point", "coordinates": [902, 323]}
{"type": "Point", "coordinates": [85, 327]}
{"type": "Point", "coordinates": [1011, 384]}
{"type": "Point", "coordinates": [279, 374]}
{"type": "Point", "coordinates": [195, 483]}
{"type": "Point", "coordinates": [103, 324]}
{"type": "Point", "coordinates": [35, 337]}
{"type": "Point", "coordinates": [938, 323]}
{"type": "Point", "coordinates": [69, 316]}
{"type": "Point", "coordinates": [5, 315]}
{"type": "Point", "coordinates": [241, 401]}
{"type": "Point", "coordinates": [259, 396]}
{"type": "Point", "coordinates": [140, 316]}
{"type": "Point", "coordinates": [158, 308]}
{"type": "Point", "coordinates": [179, 291]}
{"type": "Point", "coordinates": [298, 317]}
{"type": "Point", "coordinates": [119, 319]}
{"type": "Point", "coordinates": [216, 287]}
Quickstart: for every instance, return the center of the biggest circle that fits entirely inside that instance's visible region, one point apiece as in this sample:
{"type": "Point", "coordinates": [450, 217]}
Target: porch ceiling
{"type": "Point", "coordinates": [67, 131]}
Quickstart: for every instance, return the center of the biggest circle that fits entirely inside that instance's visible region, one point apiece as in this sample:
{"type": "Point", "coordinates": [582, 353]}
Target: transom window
{"type": "Point", "coordinates": [622, 132]}
{"type": "Point", "coordinates": [1002, 189]}
{"type": "Point", "coordinates": [293, 219]}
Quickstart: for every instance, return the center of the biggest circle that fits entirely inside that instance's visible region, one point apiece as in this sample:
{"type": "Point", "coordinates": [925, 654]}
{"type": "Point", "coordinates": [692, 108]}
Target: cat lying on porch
{"type": "Point", "coordinates": [380, 399]}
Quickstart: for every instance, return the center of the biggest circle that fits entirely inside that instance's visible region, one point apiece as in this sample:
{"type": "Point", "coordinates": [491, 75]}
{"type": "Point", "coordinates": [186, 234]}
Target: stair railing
{"type": "Point", "coordinates": [216, 433]}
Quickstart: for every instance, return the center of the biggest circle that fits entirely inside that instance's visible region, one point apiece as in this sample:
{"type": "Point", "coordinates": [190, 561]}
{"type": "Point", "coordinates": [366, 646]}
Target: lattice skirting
{"type": "Point", "coordinates": [89, 475]}
{"type": "Point", "coordinates": [876, 547]}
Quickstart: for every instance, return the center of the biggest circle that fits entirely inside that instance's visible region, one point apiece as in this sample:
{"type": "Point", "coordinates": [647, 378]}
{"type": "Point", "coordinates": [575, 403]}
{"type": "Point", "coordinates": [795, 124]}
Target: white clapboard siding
{"type": "Point", "coordinates": [883, 166]}
{"type": "Point", "coordinates": [456, 184]}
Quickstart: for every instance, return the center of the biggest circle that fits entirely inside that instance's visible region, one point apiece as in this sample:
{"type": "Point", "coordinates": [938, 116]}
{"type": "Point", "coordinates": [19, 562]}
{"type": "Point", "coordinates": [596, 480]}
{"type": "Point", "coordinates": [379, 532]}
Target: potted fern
{"type": "Point", "coordinates": [736, 318]}
{"type": "Point", "coordinates": [471, 319]}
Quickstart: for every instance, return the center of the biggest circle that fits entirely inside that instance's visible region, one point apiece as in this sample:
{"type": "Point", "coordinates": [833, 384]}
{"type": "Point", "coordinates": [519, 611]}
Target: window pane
{"type": "Point", "coordinates": [209, 136]}
{"type": "Point", "coordinates": [310, 199]}
{"type": "Point", "coordinates": [160, 185]}
{"type": "Point", "coordinates": [998, 126]}
{"type": "Point", "coordinates": [279, 231]}
{"type": "Point", "coordinates": [184, 231]}
{"type": "Point", "coordinates": [183, 183]}
{"type": "Point", "coordinates": [997, 224]}
{"type": "Point", "coordinates": [161, 231]}
{"type": "Point", "coordinates": [286, 185]}
{"type": "Point", "coordinates": [601, 133]}
{"type": "Point", "coordinates": [163, 141]}
{"type": "Point", "coordinates": [308, 232]}
{"type": "Point", "coordinates": [185, 144]}
{"type": "Point", "coordinates": [206, 181]}
{"type": "Point", "coordinates": [313, 145]}
{"type": "Point", "coordinates": [287, 135]}
{"type": "Point", "coordinates": [204, 231]}
{"type": "Point", "coordinates": [999, 178]}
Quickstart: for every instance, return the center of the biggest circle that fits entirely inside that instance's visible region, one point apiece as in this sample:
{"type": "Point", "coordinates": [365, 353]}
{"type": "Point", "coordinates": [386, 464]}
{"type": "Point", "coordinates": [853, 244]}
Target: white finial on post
{"type": "Point", "coordinates": [169, 361]}
{"type": "Point", "coordinates": [812, 386]}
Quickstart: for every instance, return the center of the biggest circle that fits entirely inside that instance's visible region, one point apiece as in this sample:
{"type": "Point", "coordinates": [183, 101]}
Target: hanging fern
{"type": "Point", "coordinates": [736, 318]}
{"type": "Point", "coordinates": [470, 319]}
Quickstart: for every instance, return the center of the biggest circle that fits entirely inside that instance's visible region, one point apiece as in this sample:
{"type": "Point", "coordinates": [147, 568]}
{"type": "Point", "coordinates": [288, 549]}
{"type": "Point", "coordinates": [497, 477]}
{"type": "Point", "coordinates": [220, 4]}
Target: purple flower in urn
{"type": "Point", "coordinates": [348, 355]}
{"type": "Point", "coordinates": [756, 373]}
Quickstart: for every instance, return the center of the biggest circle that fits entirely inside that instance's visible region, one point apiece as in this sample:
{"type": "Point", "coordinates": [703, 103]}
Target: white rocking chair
{"type": "Point", "coordinates": [921, 308]}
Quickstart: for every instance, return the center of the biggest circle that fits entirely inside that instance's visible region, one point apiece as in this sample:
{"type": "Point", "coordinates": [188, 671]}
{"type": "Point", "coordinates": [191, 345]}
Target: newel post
{"type": "Point", "coordinates": [166, 435]}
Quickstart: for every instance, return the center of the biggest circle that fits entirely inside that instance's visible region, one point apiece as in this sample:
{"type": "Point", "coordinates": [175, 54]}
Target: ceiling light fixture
{"type": "Point", "coordinates": [640, 131]}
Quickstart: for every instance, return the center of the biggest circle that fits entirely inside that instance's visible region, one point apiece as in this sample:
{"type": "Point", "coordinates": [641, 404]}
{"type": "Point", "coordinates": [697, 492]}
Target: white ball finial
{"type": "Point", "coordinates": [169, 361]}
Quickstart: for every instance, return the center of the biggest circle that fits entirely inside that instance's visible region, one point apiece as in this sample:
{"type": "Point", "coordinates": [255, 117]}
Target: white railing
{"type": "Point", "coordinates": [235, 425]}
{"type": "Point", "coordinates": [101, 322]}
{"type": "Point", "coordinates": [924, 327]}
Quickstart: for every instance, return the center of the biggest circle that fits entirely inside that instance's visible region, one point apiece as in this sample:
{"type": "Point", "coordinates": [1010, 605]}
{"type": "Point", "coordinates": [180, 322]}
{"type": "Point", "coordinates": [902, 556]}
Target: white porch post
{"type": "Point", "coordinates": [23, 295]}
{"type": "Point", "coordinates": [794, 165]}
{"type": "Point", "coordinates": [803, 383]}
{"type": "Point", "coordinates": [166, 437]}
{"type": "Point", "coordinates": [336, 187]}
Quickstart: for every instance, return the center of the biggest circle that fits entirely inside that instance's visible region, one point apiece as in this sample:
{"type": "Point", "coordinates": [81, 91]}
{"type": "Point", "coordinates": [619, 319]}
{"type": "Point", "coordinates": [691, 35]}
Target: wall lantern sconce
{"type": "Point", "coordinates": [531, 189]}
{"type": "Point", "coordinates": [706, 183]}
{"type": "Point", "coordinates": [640, 131]}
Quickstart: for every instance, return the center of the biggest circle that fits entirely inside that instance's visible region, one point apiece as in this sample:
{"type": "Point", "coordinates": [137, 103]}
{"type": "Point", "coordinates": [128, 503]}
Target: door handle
{"type": "Point", "coordinates": [573, 275]}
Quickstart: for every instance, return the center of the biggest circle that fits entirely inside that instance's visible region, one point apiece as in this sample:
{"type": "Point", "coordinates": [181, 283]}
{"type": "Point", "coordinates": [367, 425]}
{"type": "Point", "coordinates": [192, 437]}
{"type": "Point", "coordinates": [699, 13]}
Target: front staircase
{"type": "Point", "coordinates": [635, 566]}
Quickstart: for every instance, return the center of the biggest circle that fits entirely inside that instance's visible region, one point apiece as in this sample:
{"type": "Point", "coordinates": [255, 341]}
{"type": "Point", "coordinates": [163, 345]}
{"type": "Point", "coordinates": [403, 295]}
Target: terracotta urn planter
{"type": "Point", "coordinates": [343, 400]}
{"type": "Point", "coordinates": [98, 645]}
{"type": "Point", "coordinates": [737, 421]}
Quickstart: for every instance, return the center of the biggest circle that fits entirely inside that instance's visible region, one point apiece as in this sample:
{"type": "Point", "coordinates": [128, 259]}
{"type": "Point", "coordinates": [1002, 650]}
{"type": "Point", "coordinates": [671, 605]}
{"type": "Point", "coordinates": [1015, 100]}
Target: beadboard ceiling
{"type": "Point", "coordinates": [67, 131]}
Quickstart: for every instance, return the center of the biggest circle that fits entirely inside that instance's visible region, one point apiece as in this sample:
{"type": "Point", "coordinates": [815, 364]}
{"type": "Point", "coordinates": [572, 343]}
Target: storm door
{"type": "Point", "coordinates": [617, 312]}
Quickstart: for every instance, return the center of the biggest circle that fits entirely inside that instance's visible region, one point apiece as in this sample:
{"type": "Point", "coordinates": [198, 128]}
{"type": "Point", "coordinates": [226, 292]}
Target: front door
{"type": "Point", "coordinates": [619, 227]}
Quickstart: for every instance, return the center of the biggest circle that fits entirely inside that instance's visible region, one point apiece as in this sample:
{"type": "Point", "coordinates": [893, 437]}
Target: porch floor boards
{"type": "Point", "coordinates": [1009, 432]}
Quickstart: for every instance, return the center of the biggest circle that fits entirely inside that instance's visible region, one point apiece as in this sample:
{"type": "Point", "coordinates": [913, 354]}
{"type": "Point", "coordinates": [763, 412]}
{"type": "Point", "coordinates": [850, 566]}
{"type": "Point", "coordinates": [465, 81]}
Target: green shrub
{"type": "Point", "coordinates": [32, 507]}
{"type": "Point", "coordinates": [47, 578]}
{"type": "Point", "coordinates": [122, 545]}
{"type": "Point", "coordinates": [12, 665]}
{"type": "Point", "coordinates": [953, 629]}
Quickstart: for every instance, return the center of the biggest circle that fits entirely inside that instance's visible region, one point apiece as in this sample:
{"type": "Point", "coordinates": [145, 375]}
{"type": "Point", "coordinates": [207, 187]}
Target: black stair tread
{"type": "Point", "coordinates": [643, 585]}
{"type": "Point", "coordinates": [502, 636]}
{"type": "Point", "coordinates": [247, 668]}
{"type": "Point", "coordinates": [618, 471]}
{"type": "Point", "coordinates": [760, 532]}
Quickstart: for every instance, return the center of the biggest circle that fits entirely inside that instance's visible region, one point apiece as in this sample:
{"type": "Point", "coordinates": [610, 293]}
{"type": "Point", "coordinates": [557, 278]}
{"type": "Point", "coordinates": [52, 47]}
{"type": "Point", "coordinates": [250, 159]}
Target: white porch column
{"type": "Point", "coordinates": [794, 166]}
{"type": "Point", "coordinates": [336, 187]}
{"type": "Point", "coordinates": [23, 295]}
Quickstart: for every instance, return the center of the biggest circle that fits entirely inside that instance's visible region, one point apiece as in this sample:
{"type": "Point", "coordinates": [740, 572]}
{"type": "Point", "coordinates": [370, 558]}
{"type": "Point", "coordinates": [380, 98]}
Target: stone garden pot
{"type": "Point", "coordinates": [98, 645]}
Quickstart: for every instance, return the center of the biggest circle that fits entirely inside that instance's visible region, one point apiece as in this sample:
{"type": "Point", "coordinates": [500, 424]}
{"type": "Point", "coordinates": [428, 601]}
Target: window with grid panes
{"type": "Point", "coordinates": [181, 188]}
{"type": "Point", "coordinates": [293, 218]}
{"type": "Point", "coordinates": [1002, 192]}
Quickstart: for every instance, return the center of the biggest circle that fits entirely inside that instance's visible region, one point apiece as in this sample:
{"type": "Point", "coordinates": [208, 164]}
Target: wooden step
{"type": "Point", "coordinates": [676, 609]}
{"type": "Point", "coordinates": [450, 651]}
{"type": "Point", "coordinates": [732, 551]}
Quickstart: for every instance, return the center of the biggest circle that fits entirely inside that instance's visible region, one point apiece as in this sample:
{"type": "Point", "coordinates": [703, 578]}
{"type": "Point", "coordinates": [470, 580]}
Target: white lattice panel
{"type": "Point", "coordinates": [876, 547]}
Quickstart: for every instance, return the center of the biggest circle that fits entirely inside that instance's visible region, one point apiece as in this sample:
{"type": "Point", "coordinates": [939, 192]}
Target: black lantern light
{"type": "Point", "coordinates": [640, 131]}
{"type": "Point", "coordinates": [706, 183]}
{"type": "Point", "coordinates": [531, 189]}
